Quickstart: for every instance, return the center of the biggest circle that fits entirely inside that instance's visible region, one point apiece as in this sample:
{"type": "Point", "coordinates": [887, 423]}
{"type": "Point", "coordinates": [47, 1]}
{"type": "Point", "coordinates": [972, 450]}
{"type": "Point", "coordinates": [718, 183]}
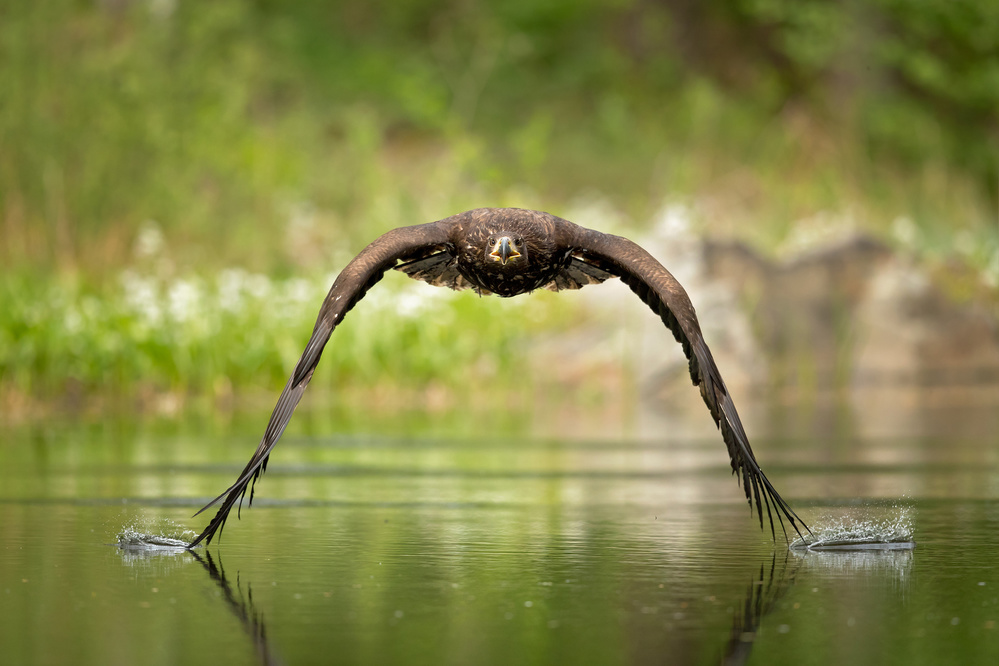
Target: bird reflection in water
{"type": "Point", "coordinates": [242, 607]}
{"type": "Point", "coordinates": [773, 582]}
{"type": "Point", "coordinates": [762, 595]}
{"type": "Point", "coordinates": [775, 577]}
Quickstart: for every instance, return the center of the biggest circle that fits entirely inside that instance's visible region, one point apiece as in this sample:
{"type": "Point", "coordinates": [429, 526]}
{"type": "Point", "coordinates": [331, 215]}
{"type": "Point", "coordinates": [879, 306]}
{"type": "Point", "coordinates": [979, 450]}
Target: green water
{"type": "Point", "coordinates": [434, 549]}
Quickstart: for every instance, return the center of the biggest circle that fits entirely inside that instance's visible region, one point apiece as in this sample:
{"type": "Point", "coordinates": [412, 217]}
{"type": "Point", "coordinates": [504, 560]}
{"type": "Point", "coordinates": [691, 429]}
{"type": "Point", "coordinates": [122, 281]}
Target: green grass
{"type": "Point", "coordinates": [238, 331]}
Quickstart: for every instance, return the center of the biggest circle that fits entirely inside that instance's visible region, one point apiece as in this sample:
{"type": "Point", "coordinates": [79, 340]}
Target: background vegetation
{"type": "Point", "coordinates": [159, 156]}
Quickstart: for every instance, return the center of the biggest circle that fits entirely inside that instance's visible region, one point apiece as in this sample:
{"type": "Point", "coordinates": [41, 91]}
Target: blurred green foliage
{"type": "Point", "coordinates": [216, 119]}
{"type": "Point", "coordinates": [242, 330]}
{"type": "Point", "coordinates": [282, 136]}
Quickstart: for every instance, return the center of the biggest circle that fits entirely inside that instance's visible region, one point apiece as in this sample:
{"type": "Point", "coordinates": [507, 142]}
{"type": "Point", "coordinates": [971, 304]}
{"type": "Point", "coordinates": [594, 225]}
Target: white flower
{"type": "Point", "coordinates": [184, 300]}
{"type": "Point", "coordinates": [142, 297]}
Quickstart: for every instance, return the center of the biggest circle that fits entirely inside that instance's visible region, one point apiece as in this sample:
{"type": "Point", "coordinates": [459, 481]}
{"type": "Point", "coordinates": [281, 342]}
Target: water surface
{"type": "Point", "coordinates": [429, 549]}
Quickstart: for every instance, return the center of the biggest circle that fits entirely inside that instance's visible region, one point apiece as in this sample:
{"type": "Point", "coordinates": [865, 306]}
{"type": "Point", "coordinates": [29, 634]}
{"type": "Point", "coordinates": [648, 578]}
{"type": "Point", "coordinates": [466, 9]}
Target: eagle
{"type": "Point", "coordinates": [511, 251]}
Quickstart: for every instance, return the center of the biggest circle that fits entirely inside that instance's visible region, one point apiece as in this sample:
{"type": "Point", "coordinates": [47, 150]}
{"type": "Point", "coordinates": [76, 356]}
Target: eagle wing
{"type": "Point", "coordinates": [405, 244]}
{"type": "Point", "coordinates": [657, 287]}
{"type": "Point", "coordinates": [439, 269]}
{"type": "Point", "coordinates": [577, 274]}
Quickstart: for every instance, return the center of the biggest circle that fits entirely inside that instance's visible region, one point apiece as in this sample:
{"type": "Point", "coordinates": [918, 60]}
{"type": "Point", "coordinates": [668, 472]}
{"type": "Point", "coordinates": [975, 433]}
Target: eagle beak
{"type": "Point", "coordinates": [504, 250]}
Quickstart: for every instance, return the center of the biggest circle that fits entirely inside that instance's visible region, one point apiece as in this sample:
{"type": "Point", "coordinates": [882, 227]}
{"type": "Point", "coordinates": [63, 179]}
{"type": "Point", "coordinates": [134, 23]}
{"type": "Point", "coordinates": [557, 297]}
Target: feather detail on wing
{"type": "Point", "coordinates": [366, 269]}
{"type": "Point", "coordinates": [577, 275]}
{"type": "Point", "coordinates": [438, 269]}
{"type": "Point", "coordinates": [667, 298]}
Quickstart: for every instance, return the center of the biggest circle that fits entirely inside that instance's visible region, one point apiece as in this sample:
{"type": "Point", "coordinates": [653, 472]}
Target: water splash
{"type": "Point", "coordinates": [850, 532]}
{"type": "Point", "coordinates": [168, 538]}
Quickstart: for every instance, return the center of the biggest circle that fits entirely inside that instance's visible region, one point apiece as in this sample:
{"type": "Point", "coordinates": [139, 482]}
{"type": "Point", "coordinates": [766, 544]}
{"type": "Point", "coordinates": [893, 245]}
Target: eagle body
{"type": "Point", "coordinates": [507, 252]}
{"type": "Point", "coordinates": [538, 265]}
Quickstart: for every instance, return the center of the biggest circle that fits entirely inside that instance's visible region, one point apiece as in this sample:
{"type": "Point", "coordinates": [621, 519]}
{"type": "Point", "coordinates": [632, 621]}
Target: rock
{"type": "Point", "coordinates": [912, 334]}
{"type": "Point", "coordinates": [803, 310]}
{"type": "Point", "coordinates": [836, 321]}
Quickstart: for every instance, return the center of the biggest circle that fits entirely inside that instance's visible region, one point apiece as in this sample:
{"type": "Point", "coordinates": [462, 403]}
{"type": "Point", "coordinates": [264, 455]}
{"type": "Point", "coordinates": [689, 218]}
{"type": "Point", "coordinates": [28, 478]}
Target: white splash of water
{"type": "Point", "coordinates": [892, 531]}
{"type": "Point", "coordinates": [168, 537]}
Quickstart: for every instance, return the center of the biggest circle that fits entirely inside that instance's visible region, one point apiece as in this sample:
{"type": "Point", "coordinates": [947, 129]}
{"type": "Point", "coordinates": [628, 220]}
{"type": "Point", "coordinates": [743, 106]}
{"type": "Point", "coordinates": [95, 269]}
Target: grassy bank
{"type": "Point", "coordinates": [240, 332]}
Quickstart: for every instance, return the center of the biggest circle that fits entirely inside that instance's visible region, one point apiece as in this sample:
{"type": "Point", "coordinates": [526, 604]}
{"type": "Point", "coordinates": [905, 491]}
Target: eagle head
{"type": "Point", "coordinates": [505, 248]}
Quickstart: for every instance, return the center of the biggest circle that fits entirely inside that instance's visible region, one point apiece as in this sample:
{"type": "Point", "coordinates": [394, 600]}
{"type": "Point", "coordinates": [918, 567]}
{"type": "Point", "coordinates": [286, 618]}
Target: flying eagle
{"type": "Point", "coordinates": [510, 251]}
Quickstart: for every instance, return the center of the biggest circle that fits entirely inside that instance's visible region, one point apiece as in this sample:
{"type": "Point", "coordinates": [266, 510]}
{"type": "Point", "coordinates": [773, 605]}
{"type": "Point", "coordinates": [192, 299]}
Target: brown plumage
{"type": "Point", "coordinates": [509, 251]}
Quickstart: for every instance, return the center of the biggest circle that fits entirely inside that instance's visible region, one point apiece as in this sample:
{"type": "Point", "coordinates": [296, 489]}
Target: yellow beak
{"type": "Point", "coordinates": [504, 250]}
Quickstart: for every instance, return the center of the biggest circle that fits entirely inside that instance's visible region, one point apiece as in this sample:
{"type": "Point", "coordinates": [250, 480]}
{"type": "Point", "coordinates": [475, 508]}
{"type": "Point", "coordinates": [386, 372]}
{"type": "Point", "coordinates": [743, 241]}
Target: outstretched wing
{"type": "Point", "coordinates": [663, 293]}
{"type": "Point", "coordinates": [355, 279]}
